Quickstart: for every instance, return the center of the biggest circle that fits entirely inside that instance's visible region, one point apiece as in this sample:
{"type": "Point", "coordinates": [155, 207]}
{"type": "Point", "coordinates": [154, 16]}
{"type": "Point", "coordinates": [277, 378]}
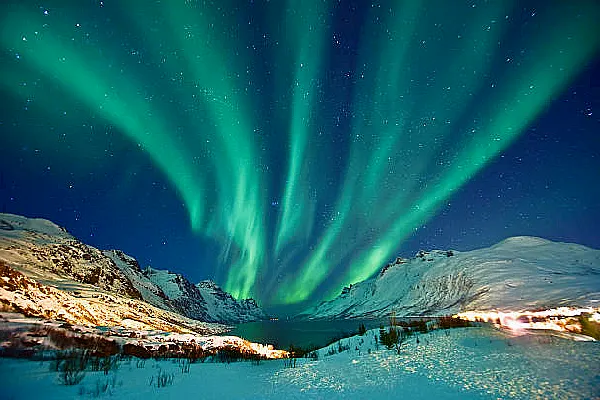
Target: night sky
{"type": "Point", "coordinates": [287, 148]}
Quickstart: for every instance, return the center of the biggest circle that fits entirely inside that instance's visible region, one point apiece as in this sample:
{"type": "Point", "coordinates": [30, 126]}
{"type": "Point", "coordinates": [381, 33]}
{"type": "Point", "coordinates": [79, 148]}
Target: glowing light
{"type": "Point", "coordinates": [505, 113]}
{"type": "Point", "coordinates": [349, 170]}
{"type": "Point", "coordinates": [561, 319]}
{"type": "Point", "coordinates": [297, 205]}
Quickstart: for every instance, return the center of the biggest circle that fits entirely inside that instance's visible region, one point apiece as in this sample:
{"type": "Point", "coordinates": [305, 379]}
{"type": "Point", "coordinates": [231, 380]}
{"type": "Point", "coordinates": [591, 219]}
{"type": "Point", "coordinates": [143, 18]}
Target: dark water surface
{"type": "Point", "coordinates": [283, 333]}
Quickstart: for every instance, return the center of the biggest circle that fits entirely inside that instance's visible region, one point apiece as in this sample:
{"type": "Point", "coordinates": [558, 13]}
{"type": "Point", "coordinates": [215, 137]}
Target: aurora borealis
{"type": "Point", "coordinates": [289, 148]}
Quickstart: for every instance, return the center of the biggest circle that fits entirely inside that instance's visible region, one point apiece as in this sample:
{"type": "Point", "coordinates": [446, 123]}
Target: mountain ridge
{"type": "Point", "coordinates": [521, 272]}
{"type": "Point", "coordinates": [48, 254]}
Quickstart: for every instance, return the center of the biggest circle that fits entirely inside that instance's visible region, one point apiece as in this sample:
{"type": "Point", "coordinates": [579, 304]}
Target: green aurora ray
{"type": "Point", "coordinates": [440, 90]}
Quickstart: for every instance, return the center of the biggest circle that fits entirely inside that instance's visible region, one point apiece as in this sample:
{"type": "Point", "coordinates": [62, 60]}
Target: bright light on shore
{"type": "Point", "coordinates": [563, 319]}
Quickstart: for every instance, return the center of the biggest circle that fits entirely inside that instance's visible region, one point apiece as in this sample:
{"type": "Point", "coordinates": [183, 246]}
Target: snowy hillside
{"type": "Point", "coordinates": [472, 363]}
{"type": "Point", "coordinates": [519, 273]}
{"type": "Point", "coordinates": [222, 306]}
{"type": "Point", "coordinates": [183, 294]}
{"type": "Point", "coordinates": [45, 251]}
{"type": "Point", "coordinates": [205, 301]}
{"type": "Point", "coordinates": [149, 291]}
{"type": "Point", "coordinates": [86, 306]}
{"type": "Point", "coordinates": [50, 256]}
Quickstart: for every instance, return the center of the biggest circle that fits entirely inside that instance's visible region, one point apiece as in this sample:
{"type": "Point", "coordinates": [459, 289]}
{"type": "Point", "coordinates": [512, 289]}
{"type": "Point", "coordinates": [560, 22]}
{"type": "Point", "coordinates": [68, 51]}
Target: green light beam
{"type": "Point", "coordinates": [399, 213]}
{"type": "Point", "coordinates": [137, 119]}
{"type": "Point", "coordinates": [563, 53]}
{"type": "Point", "coordinates": [241, 216]}
{"type": "Point", "coordinates": [306, 30]}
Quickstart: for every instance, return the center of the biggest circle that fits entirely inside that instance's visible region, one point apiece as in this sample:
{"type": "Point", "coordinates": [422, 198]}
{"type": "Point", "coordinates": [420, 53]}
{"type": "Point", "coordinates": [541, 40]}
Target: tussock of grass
{"type": "Point", "coordinates": [589, 327]}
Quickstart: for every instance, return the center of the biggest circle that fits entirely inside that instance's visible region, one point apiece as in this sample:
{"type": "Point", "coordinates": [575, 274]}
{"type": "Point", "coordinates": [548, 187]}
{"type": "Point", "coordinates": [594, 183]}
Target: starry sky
{"type": "Point", "coordinates": [287, 148]}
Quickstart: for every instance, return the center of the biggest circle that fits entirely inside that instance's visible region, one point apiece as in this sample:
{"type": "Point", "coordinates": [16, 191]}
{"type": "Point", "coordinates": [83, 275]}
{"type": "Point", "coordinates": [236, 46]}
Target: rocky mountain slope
{"type": "Point", "coordinates": [149, 291]}
{"type": "Point", "coordinates": [205, 301]}
{"type": "Point", "coordinates": [36, 245]}
{"type": "Point", "coordinates": [87, 307]}
{"type": "Point", "coordinates": [49, 256]}
{"type": "Point", "coordinates": [519, 273]}
{"type": "Point", "coordinates": [221, 306]}
{"type": "Point", "coordinates": [183, 294]}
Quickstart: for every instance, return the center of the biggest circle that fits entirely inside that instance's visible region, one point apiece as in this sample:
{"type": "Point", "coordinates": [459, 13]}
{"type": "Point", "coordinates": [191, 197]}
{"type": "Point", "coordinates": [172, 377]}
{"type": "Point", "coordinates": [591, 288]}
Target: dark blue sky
{"type": "Point", "coordinates": [280, 116]}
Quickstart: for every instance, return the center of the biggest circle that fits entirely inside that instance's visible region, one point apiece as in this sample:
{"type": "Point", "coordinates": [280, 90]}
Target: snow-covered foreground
{"type": "Point", "coordinates": [465, 363]}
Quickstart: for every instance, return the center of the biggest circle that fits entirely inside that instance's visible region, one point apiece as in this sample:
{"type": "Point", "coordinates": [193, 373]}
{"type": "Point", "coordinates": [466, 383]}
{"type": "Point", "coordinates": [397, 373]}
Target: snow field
{"type": "Point", "coordinates": [467, 363]}
{"type": "Point", "coordinates": [485, 360]}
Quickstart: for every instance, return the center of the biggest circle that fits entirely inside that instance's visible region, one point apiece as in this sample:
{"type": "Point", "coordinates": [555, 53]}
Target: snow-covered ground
{"type": "Point", "coordinates": [19, 333]}
{"type": "Point", "coordinates": [469, 363]}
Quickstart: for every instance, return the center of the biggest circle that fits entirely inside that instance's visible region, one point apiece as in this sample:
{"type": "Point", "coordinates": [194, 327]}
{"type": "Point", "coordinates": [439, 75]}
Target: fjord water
{"type": "Point", "coordinates": [283, 333]}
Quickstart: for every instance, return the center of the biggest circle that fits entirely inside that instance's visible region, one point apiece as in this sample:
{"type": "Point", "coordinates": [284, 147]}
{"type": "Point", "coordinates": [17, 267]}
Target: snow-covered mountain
{"type": "Point", "coordinates": [48, 255]}
{"type": "Point", "coordinates": [205, 301]}
{"type": "Point", "coordinates": [149, 291]}
{"type": "Point", "coordinates": [221, 306]}
{"type": "Point", "coordinates": [83, 305]}
{"type": "Point", "coordinates": [183, 294]}
{"type": "Point", "coordinates": [36, 245]}
{"type": "Point", "coordinates": [519, 273]}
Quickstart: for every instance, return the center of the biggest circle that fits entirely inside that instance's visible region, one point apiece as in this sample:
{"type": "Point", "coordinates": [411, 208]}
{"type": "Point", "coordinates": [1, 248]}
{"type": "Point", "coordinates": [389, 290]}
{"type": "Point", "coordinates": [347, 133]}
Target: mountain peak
{"type": "Point", "coordinates": [12, 222]}
{"type": "Point", "coordinates": [524, 241]}
{"type": "Point", "coordinates": [244, 310]}
{"type": "Point", "coordinates": [518, 273]}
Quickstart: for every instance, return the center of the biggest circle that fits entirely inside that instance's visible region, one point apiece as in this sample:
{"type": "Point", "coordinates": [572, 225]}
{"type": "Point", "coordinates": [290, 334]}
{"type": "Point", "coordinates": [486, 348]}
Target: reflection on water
{"type": "Point", "coordinates": [283, 333]}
